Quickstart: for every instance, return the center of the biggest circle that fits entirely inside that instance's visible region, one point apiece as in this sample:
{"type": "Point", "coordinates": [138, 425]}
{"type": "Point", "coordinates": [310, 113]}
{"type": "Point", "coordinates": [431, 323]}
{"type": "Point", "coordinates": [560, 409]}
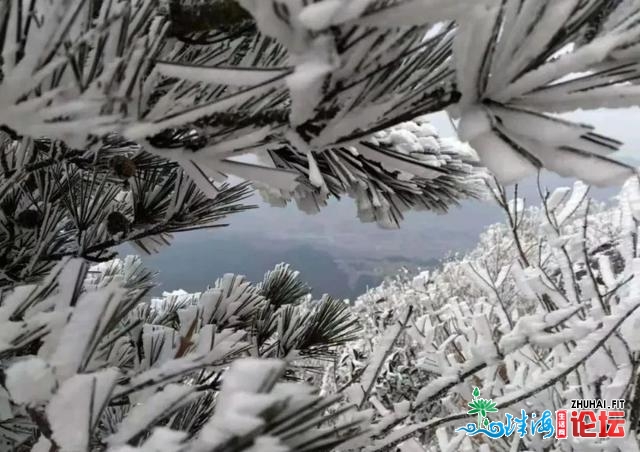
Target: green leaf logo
{"type": "Point", "coordinates": [481, 407]}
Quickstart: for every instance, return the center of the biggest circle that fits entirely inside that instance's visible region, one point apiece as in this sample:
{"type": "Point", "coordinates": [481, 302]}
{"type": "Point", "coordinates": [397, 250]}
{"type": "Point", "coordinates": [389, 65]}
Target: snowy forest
{"type": "Point", "coordinates": [133, 121]}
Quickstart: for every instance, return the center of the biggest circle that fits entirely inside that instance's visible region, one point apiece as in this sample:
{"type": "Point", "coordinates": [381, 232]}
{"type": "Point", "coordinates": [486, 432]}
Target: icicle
{"type": "Point", "coordinates": [315, 176]}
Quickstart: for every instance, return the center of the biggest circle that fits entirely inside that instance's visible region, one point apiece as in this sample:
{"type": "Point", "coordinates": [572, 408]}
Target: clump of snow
{"type": "Point", "coordinates": [78, 402]}
{"type": "Point", "coordinates": [30, 381]}
{"type": "Point", "coordinates": [421, 280]}
{"type": "Point", "coordinates": [43, 445]}
{"type": "Point", "coordinates": [143, 415]}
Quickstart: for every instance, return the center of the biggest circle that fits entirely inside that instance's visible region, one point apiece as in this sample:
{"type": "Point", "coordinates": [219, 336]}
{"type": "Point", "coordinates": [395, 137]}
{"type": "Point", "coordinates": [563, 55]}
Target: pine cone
{"type": "Point", "coordinates": [206, 15]}
{"type": "Point", "coordinates": [123, 166]}
{"type": "Point", "coordinates": [117, 223]}
{"type": "Point", "coordinates": [29, 219]}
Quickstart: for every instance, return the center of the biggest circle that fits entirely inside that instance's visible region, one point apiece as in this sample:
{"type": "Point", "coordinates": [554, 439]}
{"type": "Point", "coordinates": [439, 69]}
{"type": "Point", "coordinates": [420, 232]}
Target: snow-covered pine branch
{"type": "Point", "coordinates": [85, 347]}
{"type": "Point", "coordinates": [59, 202]}
{"type": "Point", "coordinates": [311, 90]}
